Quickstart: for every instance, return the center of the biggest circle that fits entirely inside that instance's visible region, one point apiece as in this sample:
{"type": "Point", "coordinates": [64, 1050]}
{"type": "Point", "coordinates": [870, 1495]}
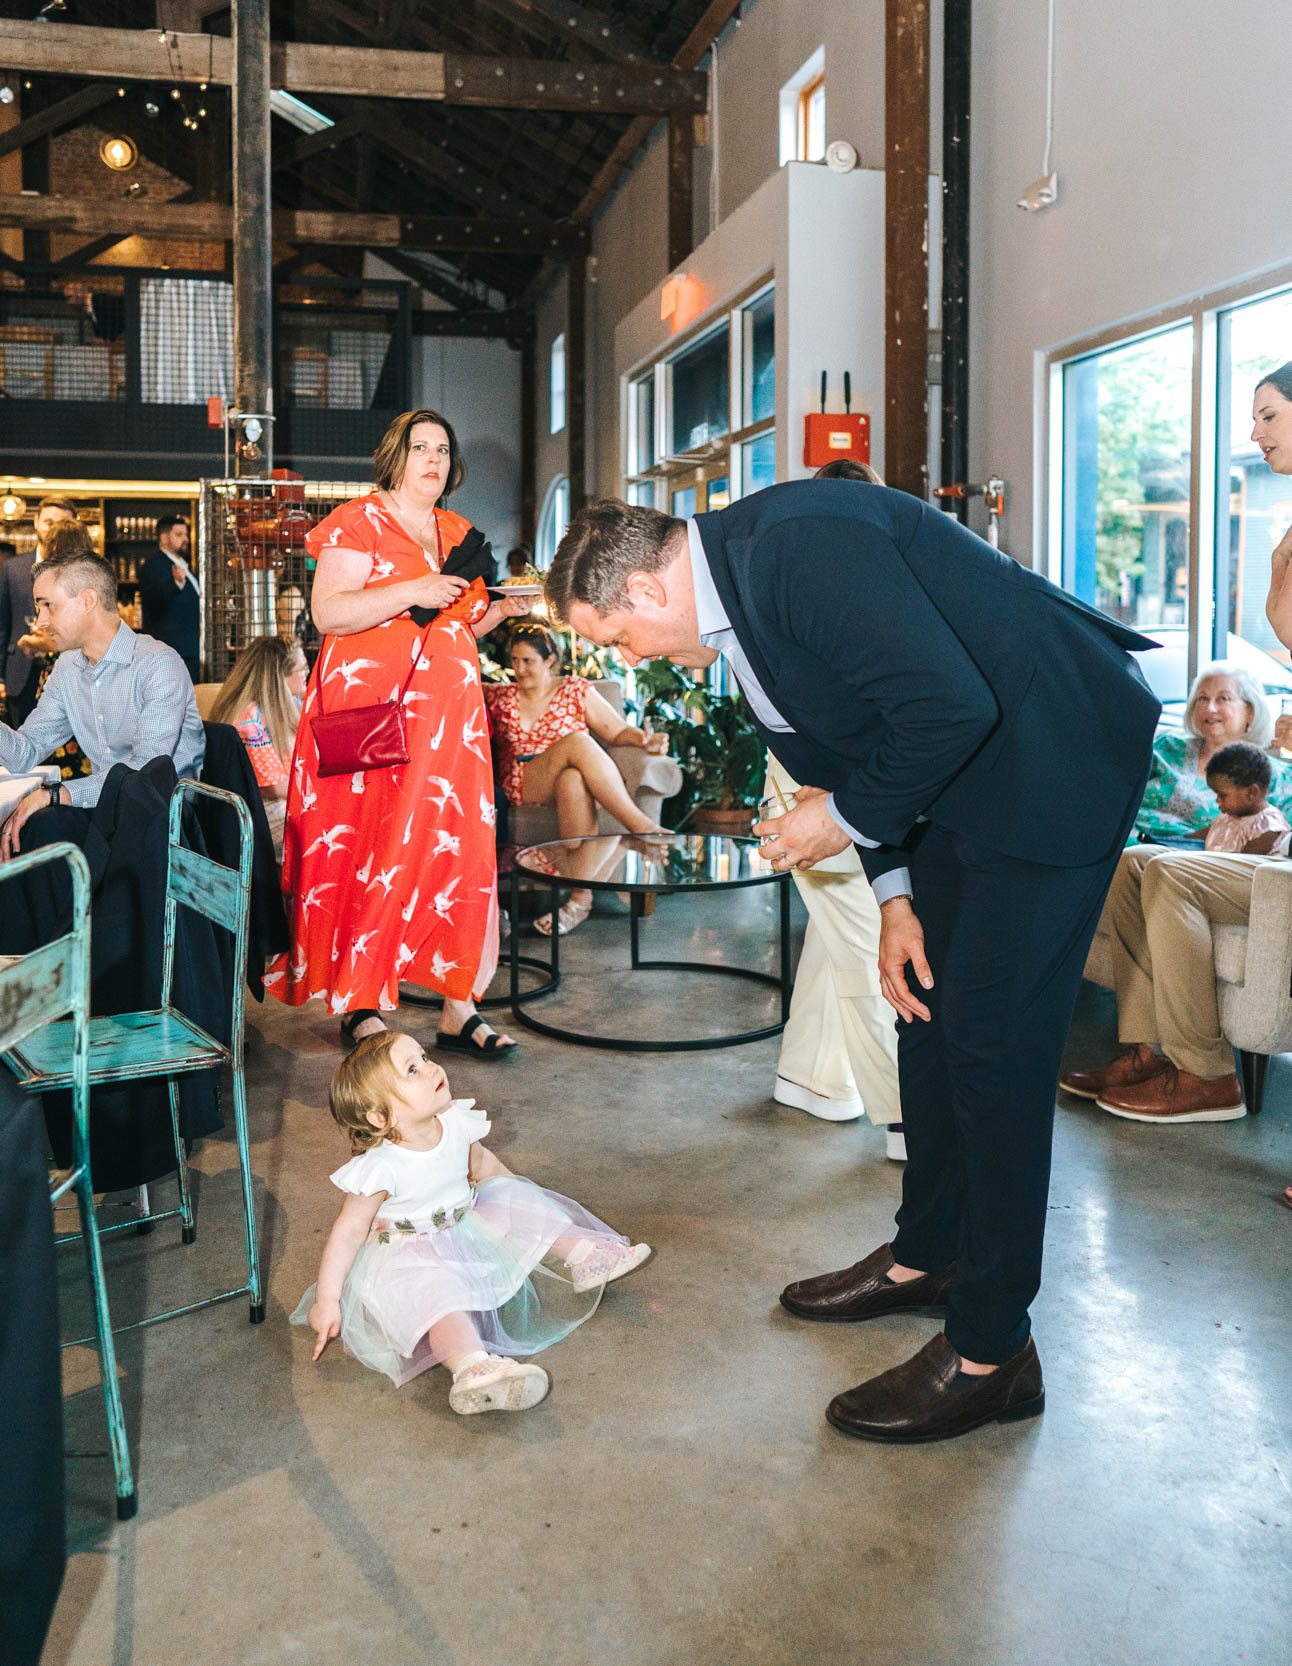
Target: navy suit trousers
{"type": "Point", "coordinates": [1006, 941]}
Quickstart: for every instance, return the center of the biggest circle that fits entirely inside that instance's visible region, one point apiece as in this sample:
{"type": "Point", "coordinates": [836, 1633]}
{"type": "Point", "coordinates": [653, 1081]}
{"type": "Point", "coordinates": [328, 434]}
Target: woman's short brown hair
{"type": "Point", "coordinates": [363, 1082]}
{"type": "Point", "coordinates": [391, 456]}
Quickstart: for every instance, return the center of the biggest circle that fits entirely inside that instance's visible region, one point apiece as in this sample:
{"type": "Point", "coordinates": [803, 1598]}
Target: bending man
{"type": "Point", "coordinates": [929, 688]}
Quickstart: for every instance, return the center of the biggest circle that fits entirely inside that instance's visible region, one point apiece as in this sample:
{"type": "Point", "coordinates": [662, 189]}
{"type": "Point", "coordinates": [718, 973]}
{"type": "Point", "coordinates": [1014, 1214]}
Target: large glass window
{"type": "Point", "coordinates": [702, 392]}
{"type": "Point", "coordinates": [1253, 504]}
{"type": "Point", "coordinates": [758, 464]}
{"type": "Point", "coordinates": [1126, 457]}
{"type": "Point", "coordinates": [558, 383]}
{"type": "Point", "coordinates": [553, 519]}
{"type": "Point", "coordinates": [641, 425]}
{"type": "Point", "coordinates": [758, 359]}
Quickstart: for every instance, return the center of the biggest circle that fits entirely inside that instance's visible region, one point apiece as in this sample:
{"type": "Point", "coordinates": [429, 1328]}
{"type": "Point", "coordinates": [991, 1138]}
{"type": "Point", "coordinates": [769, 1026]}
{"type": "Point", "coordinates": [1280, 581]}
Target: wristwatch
{"type": "Point", "coordinates": [55, 791]}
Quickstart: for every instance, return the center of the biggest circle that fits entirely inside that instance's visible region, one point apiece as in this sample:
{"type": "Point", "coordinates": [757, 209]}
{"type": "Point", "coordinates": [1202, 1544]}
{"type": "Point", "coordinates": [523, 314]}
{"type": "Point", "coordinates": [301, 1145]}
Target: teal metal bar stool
{"type": "Point", "coordinates": [49, 990]}
{"type": "Point", "coordinates": [128, 1046]}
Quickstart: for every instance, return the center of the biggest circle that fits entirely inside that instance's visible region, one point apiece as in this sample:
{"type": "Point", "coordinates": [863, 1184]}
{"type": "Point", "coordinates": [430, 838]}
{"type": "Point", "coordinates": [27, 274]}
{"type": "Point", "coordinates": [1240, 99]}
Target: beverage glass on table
{"type": "Point", "coordinates": [1285, 723]}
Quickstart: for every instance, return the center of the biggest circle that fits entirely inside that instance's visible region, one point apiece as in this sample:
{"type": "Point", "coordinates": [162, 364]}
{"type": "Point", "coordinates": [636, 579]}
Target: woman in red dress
{"type": "Point", "coordinates": [544, 725]}
{"type": "Point", "coordinates": [390, 874]}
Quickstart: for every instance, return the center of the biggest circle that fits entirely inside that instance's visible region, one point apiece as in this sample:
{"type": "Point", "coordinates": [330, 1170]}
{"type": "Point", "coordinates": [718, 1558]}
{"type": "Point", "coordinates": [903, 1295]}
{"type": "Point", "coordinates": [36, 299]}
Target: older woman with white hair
{"type": "Point", "coordinates": [1226, 703]}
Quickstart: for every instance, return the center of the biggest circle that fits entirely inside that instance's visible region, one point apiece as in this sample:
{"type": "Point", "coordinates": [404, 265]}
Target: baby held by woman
{"type": "Point", "coordinates": [440, 1255]}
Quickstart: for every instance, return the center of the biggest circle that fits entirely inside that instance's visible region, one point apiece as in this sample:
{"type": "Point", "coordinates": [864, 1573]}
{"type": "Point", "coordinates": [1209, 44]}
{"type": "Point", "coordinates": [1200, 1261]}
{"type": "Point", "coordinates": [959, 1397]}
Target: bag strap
{"type": "Point", "coordinates": [417, 654]}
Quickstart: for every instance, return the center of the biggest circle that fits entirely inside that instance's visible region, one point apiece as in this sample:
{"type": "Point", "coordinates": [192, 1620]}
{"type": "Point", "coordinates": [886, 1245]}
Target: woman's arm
{"type": "Point", "coordinates": [508, 607]}
{"type": "Point", "coordinates": [483, 1165]}
{"type": "Point", "coordinates": [607, 725]}
{"type": "Point", "coordinates": [1278, 604]}
{"type": "Point", "coordinates": [344, 1243]}
{"type": "Point", "coordinates": [341, 606]}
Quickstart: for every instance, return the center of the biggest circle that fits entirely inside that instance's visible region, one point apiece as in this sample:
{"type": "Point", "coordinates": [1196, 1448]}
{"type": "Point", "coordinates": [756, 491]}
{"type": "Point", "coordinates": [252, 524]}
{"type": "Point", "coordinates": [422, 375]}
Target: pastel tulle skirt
{"type": "Point", "coordinates": [501, 1263]}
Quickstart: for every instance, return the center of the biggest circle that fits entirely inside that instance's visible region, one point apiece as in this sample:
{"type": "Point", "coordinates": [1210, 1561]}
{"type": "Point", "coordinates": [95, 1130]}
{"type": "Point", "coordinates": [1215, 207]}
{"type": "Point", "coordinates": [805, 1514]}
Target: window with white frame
{"type": "Point", "coordinates": [700, 421]}
{"type": "Point", "coordinates": [1174, 546]}
{"type": "Point", "coordinates": [553, 518]}
{"type": "Point", "coordinates": [802, 112]}
{"type": "Point", "coordinates": [557, 380]}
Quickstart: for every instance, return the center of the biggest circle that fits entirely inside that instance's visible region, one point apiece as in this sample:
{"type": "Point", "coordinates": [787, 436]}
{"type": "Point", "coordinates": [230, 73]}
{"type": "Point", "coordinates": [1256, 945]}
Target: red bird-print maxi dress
{"type": "Point", "coordinates": [391, 874]}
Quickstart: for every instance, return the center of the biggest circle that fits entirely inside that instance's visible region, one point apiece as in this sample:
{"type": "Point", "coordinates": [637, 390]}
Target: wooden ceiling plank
{"type": "Point", "coordinates": [66, 113]}
{"type": "Point", "coordinates": [354, 71]}
{"type": "Point", "coordinates": [575, 23]}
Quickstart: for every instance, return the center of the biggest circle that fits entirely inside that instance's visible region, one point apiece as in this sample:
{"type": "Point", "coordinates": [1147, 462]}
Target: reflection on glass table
{"type": "Point", "coordinates": [643, 867]}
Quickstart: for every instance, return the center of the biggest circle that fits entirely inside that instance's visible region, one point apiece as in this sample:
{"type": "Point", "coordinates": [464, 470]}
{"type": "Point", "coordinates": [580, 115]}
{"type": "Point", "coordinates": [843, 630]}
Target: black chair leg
{"type": "Point", "coordinates": [1253, 1067]}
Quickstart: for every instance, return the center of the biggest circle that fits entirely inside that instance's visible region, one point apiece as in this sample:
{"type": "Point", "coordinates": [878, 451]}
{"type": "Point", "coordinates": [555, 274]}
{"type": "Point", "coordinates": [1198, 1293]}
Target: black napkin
{"type": "Point", "coordinates": [473, 558]}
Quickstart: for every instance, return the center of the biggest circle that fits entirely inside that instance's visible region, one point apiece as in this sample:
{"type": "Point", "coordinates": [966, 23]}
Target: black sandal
{"type": "Point", "coordinates": [492, 1047]}
{"type": "Point", "coordinates": [351, 1022]}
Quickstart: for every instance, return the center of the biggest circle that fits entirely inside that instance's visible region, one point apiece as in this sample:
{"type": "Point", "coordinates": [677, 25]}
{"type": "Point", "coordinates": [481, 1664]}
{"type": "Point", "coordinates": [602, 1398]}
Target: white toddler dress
{"type": "Point", "coordinates": [442, 1245]}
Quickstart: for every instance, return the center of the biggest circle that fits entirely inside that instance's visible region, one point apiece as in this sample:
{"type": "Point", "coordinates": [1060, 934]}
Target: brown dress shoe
{"type": "Point", "coordinates": [931, 1398]}
{"type": "Point", "coordinates": [1127, 1070]}
{"type": "Point", "coordinates": [865, 1291]}
{"type": "Point", "coordinates": [1176, 1096]}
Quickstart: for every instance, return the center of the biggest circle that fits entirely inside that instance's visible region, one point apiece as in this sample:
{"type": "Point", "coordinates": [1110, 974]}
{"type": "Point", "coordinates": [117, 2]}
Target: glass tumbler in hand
{"type": "Point", "coordinates": [775, 805]}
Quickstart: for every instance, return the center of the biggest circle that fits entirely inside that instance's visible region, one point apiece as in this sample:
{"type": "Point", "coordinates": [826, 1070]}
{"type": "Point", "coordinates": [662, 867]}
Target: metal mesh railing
{"type": "Point", "coordinates": [256, 574]}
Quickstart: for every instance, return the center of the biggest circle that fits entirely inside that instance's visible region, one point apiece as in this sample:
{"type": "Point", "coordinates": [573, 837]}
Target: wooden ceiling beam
{"type": "Point", "coordinates": [578, 24]}
{"type": "Point", "coordinates": [715, 19]}
{"type": "Point", "coordinates": [213, 222]}
{"type": "Point", "coordinates": [355, 71]}
{"type": "Point", "coordinates": [306, 145]}
{"type": "Point", "coordinates": [66, 113]}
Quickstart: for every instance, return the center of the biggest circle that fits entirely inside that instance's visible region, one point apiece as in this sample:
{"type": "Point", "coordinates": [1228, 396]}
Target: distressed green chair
{"type": "Point", "coordinates": [46, 991]}
{"type": "Point", "coordinates": [128, 1046]}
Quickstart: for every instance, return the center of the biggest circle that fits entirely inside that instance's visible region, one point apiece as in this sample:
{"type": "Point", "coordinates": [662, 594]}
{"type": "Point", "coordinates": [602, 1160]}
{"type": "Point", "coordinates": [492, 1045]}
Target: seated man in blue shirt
{"type": "Point", "coordinates": [124, 699]}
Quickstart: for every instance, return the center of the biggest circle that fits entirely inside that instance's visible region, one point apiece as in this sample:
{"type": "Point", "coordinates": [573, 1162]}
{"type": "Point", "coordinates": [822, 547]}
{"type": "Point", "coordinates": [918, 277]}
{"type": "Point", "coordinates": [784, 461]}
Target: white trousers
{"type": "Point", "coordinates": [841, 1038]}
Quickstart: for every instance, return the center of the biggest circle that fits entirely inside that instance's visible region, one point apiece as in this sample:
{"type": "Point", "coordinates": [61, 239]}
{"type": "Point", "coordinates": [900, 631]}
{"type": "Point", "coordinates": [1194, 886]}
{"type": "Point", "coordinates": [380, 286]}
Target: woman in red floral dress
{"type": "Point", "coordinates": [543, 728]}
{"type": "Point", "coordinates": [390, 874]}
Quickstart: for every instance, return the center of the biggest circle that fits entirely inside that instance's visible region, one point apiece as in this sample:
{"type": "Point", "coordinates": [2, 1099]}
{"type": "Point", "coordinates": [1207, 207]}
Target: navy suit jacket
{"type": "Point", "coordinates": [925, 674]}
{"type": "Point", "coordinates": [17, 605]}
{"type": "Point", "coordinates": [171, 612]}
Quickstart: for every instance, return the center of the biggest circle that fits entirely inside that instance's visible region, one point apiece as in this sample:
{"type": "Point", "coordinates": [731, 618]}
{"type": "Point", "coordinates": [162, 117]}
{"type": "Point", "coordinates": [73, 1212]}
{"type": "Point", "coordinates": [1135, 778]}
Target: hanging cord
{"type": "Point", "coordinates": [1049, 98]}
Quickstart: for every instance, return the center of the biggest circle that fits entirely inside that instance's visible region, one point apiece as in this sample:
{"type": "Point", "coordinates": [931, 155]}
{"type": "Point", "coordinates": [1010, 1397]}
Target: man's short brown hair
{"type": "Point", "coordinates": [391, 456]}
{"type": "Point", "coordinates": [56, 503]}
{"type": "Point", "coordinates": [607, 540]}
{"type": "Point", "coordinates": [76, 572]}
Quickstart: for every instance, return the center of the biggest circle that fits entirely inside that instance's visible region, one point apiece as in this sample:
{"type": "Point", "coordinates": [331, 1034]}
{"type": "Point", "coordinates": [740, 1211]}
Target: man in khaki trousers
{"type": "Point", "coordinates": [1161, 908]}
{"type": "Point", "coordinates": [839, 1049]}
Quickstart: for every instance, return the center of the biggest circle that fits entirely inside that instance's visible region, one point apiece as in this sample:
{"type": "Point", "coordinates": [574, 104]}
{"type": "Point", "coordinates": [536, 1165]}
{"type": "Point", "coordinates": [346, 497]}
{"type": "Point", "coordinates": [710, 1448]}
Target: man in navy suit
{"type": "Point", "coordinates": [949, 708]}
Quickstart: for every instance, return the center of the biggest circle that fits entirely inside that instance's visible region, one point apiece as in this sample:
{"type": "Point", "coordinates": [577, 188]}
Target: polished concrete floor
{"type": "Point", "coordinates": [679, 1500]}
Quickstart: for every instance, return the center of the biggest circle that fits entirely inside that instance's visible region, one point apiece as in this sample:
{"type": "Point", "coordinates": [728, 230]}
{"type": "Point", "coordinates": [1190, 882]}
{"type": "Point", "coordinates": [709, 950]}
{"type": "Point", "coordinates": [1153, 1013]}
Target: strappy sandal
{"type": "Point", "coordinates": [351, 1022]}
{"type": "Point", "coordinates": [569, 917]}
{"type": "Point", "coordinates": [492, 1047]}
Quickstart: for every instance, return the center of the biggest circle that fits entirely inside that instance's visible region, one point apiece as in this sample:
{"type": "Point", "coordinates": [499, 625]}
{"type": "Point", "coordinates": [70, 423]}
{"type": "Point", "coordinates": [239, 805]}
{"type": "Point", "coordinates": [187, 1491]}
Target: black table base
{"type": "Point", "coordinates": [780, 979]}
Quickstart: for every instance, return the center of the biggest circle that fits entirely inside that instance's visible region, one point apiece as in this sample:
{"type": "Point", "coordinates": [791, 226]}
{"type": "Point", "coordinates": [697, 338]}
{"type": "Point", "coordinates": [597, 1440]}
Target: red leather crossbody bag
{"type": "Point", "coordinates": [364, 737]}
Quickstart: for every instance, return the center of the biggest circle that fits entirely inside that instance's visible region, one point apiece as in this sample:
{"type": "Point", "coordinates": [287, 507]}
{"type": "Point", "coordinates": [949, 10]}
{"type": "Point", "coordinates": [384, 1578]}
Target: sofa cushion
{"type": "Point", "coordinates": [1229, 944]}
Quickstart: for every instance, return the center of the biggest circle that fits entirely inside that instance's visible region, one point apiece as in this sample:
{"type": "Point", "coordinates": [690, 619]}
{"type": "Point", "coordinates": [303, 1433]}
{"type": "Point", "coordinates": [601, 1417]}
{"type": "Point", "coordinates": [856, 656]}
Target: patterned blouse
{"type": "Point", "coordinates": [566, 714]}
{"type": "Point", "coordinates": [1178, 801]}
{"type": "Point", "coordinates": [271, 770]}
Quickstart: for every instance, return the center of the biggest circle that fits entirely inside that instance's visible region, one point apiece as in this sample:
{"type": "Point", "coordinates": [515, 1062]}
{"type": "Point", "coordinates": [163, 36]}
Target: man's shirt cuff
{"type": "Point", "coordinates": [846, 827]}
{"type": "Point", "coordinates": [895, 883]}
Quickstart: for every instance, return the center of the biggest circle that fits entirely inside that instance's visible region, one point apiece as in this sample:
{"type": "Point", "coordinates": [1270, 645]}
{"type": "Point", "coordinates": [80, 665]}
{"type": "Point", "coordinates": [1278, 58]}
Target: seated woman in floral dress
{"type": "Point", "coordinates": [545, 753]}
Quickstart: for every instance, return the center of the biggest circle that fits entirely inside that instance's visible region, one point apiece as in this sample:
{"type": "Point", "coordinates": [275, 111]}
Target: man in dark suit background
{"type": "Point", "coordinates": [22, 666]}
{"type": "Point", "coordinates": [930, 689]}
{"type": "Point", "coordinates": [169, 595]}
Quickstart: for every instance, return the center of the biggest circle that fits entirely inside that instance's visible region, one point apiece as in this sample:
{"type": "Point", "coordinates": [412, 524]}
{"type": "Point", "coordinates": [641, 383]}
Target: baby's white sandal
{"type": "Point", "coordinates": [590, 1264]}
{"type": "Point", "coordinates": [490, 1383]}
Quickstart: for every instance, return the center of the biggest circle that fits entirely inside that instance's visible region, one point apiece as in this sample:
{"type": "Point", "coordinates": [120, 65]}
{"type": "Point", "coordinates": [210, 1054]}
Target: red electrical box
{"type": "Point", "coordinates": [827, 438]}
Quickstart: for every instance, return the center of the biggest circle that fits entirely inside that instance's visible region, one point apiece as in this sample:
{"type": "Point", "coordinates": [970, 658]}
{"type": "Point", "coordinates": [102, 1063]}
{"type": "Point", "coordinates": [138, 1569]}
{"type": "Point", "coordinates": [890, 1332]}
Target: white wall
{"type": "Point", "coordinates": [1172, 180]}
{"type": "Point", "coordinates": [476, 384]}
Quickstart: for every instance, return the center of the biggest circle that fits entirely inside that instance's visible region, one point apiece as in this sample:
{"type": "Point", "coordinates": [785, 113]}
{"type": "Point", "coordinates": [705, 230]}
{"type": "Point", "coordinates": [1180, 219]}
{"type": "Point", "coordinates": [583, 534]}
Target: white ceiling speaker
{"type": "Point", "coordinates": [840, 156]}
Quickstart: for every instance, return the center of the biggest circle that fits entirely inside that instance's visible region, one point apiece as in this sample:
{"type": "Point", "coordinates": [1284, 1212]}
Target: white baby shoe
{"type": "Point", "coordinates": [489, 1383]}
{"type": "Point", "coordinates": [590, 1264]}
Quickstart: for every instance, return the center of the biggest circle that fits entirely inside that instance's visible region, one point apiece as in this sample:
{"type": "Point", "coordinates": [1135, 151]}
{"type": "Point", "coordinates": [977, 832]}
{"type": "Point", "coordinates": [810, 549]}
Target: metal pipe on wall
{"type": "Point", "coordinates": [956, 88]}
{"type": "Point", "coordinates": [252, 250]}
{"type": "Point", "coordinates": [906, 259]}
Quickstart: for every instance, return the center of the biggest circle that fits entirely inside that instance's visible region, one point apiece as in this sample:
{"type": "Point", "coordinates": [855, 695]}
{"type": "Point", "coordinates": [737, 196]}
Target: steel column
{"type": "Point", "coordinates": [906, 259]}
{"type": "Point", "coordinates": [957, 42]}
{"type": "Point", "coordinates": [252, 244]}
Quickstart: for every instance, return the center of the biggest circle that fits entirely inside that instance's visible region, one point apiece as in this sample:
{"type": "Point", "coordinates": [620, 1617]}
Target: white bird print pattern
{"type": "Point", "coordinates": [362, 845]}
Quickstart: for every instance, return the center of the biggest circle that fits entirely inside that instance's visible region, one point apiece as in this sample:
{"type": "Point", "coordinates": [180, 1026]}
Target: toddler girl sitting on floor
{"type": "Point", "coordinates": [440, 1254]}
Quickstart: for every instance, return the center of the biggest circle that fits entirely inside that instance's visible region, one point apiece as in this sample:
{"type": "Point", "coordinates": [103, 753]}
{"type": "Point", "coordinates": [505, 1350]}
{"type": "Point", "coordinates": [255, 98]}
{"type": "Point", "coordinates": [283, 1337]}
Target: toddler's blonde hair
{"type": "Point", "coordinates": [363, 1082]}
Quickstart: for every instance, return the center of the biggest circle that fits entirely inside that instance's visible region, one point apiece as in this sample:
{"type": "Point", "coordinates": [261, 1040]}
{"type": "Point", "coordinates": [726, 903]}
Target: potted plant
{"type": "Point", "coordinates": [713, 738]}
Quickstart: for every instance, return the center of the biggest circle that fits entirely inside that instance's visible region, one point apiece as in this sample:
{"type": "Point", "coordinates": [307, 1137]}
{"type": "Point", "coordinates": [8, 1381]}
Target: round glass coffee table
{"type": "Point", "coordinates": [644, 868]}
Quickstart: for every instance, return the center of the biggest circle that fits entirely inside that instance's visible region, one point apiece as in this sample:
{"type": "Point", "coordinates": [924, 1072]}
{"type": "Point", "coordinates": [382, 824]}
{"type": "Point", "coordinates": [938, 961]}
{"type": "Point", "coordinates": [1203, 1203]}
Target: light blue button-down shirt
{"type": "Point", "coordinates": [134, 705]}
{"type": "Point", "coordinates": [716, 632]}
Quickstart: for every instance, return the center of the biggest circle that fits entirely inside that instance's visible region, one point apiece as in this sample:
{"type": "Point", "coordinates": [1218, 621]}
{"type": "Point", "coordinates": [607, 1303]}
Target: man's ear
{"type": "Point", "coordinates": [646, 589]}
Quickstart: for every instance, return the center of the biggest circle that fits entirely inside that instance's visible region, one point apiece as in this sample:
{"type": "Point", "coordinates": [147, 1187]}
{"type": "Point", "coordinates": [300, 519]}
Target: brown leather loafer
{"type": "Point", "coordinates": [1127, 1070]}
{"type": "Point", "coordinates": [865, 1291]}
{"type": "Point", "coordinates": [931, 1398]}
{"type": "Point", "coordinates": [1177, 1096]}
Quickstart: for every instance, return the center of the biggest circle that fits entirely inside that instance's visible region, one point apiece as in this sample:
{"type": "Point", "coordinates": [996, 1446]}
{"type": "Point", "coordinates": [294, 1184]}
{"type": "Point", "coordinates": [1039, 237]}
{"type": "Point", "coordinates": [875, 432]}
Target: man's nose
{"type": "Point", "coordinates": [632, 659]}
